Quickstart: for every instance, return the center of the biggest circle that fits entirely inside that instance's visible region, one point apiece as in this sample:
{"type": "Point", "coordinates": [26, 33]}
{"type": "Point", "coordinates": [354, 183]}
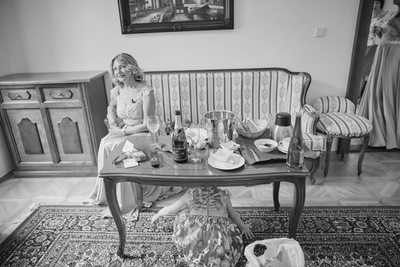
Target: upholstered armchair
{"type": "Point", "coordinates": [337, 118]}
{"type": "Point", "coordinates": [313, 142]}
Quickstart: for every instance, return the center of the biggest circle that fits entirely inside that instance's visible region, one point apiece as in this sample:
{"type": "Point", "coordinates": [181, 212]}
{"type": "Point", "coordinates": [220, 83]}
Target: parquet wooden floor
{"type": "Point", "coordinates": [379, 184]}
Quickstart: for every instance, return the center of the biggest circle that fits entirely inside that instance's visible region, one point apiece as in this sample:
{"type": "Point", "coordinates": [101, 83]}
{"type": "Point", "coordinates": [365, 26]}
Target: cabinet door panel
{"type": "Point", "coordinates": [71, 134]}
{"type": "Point", "coordinates": [29, 134]}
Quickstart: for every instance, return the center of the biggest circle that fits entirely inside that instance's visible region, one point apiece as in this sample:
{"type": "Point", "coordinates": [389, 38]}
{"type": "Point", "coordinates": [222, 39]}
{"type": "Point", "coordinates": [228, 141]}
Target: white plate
{"type": "Point", "coordinates": [235, 162]}
{"type": "Point", "coordinates": [281, 149]}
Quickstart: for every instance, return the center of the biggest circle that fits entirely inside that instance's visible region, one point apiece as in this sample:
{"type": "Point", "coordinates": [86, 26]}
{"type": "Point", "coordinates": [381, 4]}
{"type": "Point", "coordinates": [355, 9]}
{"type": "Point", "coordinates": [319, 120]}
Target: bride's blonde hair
{"type": "Point", "coordinates": [131, 65]}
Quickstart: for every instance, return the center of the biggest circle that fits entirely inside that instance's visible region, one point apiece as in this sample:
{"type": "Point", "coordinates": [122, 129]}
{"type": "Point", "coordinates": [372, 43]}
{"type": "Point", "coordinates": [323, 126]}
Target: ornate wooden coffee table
{"type": "Point", "coordinates": [197, 175]}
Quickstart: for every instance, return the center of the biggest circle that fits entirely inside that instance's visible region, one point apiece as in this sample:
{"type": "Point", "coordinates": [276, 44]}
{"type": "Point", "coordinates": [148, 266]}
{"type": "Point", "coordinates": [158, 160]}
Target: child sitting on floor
{"type": "Point", "coordinates": [208, 230]}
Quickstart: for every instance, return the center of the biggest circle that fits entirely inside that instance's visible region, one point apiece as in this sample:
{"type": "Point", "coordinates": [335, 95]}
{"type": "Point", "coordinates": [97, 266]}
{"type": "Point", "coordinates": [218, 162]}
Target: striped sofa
{"type": "Point", "coordinates": [249, 93]}
{"type": "Point", "coordinates": [253, 93]}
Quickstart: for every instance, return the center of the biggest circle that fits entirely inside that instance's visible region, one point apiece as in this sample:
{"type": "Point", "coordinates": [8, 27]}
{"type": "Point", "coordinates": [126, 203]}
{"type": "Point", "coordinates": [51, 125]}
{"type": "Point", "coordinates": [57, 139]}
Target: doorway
{"type": "Point", "coordinates": [359, 48]}
{"type": "Point", "coordinates": [357, 60]}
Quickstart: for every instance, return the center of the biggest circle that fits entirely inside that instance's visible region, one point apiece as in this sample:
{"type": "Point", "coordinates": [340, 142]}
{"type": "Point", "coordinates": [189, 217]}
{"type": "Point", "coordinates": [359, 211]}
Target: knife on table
{"type": "Point", "coordinates": [255, 156]}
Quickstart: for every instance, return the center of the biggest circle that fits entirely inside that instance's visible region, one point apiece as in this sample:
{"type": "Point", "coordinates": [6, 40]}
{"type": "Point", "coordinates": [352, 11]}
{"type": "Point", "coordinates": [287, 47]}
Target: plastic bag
{"type": "Point", "coordinates": [279, 252]}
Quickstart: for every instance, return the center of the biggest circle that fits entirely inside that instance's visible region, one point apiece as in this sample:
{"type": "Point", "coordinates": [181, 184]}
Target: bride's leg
{"type": "Point", "coordinates": [139, 201]}
{"type": "Point", "coordinates": [139, 195]}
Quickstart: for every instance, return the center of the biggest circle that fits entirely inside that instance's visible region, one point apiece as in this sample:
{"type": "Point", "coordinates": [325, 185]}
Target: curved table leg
{"type": "Point", "coordinates": [275, 191]}
{"type": "Point", "coordinates": [315, 162]}
{"type": "Point", "coordinates": [298, 205]}
{"type": "Point", "coordinates": [111, 195]}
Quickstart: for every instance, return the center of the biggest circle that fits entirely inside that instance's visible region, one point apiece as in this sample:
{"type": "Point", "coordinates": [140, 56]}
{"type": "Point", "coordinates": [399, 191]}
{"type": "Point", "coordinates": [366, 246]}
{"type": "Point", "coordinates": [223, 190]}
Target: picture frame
{"type": "Point", "coordinates": [144, 16]}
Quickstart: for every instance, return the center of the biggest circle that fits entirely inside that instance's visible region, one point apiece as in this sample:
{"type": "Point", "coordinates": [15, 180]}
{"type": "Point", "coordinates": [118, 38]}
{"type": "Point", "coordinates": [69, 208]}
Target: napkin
{"type": "Point", "coordinates": [128, 163]}
{"type": "Point", "coordinates": [128, 147]}
{"type": "Point", "coordinates": [223, 155]}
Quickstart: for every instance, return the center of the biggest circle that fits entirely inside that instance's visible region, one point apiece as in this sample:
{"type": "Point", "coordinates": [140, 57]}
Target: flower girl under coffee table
{"type": "Point", "coordinates": [207, 229]}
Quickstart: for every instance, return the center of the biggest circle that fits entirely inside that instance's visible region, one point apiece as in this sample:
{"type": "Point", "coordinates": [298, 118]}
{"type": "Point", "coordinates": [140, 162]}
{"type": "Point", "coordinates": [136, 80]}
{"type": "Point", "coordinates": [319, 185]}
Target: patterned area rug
{"type": "Point", "coordinates": [77, 236]}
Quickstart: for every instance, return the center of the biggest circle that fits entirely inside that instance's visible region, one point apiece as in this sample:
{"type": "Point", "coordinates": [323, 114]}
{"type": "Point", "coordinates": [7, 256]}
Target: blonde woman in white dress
{"type": "Point", "coordinates": [131, 102]}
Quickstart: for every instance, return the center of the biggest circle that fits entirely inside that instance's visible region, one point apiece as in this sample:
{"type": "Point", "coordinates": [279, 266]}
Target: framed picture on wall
{"type": "Point", "coordinates": [143, 16]}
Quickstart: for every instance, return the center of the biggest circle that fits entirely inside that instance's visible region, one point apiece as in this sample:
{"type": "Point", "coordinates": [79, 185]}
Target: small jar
{"type": "Point", "coordinates": [283, 127]}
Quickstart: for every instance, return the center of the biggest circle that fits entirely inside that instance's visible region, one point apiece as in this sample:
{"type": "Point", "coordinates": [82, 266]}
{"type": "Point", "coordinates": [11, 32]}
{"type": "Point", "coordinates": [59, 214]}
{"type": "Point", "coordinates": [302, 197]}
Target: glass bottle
{"type": "Point", "coordinates": [179, 142]}
{"type": "Point", "coordinates": [295, 156]}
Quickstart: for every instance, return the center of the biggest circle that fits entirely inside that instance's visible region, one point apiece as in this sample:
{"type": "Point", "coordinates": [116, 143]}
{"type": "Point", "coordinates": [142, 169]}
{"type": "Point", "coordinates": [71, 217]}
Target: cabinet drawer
{"type": "Point", "coordinates": [70, 93]}
{"type": "Point", "coordinates": [19, 95]}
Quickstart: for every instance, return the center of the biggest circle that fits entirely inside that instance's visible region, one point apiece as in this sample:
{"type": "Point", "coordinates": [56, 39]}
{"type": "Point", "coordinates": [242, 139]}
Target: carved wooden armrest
{"type": "Point", "coordinates": [309, 119]}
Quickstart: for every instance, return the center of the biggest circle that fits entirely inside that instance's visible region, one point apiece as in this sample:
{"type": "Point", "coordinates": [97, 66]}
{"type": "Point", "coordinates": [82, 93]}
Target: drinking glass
{"type": "Point", "coordinates": [153, 124]}
{"type": "Point", "coordinates": [195, 137]}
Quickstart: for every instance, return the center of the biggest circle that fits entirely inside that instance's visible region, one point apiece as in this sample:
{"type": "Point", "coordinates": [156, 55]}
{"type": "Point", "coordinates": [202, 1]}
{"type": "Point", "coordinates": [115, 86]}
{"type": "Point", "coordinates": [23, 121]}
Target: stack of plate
{"type": "Point", "coordinates": [283, 149]}
{"type": "Point", "coordinates": [233, 162]}
{"type": "Point", "coordinates": [284, 145]}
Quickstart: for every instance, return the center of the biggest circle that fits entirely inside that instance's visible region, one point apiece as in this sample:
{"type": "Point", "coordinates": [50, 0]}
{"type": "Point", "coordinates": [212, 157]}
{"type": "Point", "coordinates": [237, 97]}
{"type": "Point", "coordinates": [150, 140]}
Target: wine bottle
{"type": "Point", "coordinates": [295, 156]}
{"type": "Point", "coordinates": [179, 142]}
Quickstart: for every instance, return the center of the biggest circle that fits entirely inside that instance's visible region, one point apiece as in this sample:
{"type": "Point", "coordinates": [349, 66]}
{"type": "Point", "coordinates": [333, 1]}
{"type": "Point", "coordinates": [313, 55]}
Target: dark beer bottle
{"type": "Point", "coordinates": [179, 142]}
{"type": "Point", "coordinates": [295, 156]}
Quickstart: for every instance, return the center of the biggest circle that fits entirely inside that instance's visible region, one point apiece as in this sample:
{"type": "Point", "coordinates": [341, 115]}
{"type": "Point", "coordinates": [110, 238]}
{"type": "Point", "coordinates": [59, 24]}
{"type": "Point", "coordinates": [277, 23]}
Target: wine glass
{"type": "Point", "coordinates": [153, 124]}
{"type": "Point", "coordinates": [194, 135]}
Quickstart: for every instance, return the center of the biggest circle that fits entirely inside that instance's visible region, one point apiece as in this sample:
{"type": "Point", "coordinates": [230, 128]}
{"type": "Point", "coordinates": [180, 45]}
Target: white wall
{"type": "Point", "coordinates": [5, 68]}
{"type": "Point", "coordinates": [59, 35]}
{"type": "Point", "coordinates": [73, 35]}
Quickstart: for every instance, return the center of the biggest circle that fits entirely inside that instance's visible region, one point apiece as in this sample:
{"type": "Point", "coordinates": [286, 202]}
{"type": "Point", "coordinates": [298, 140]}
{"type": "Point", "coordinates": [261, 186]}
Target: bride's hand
{"type": "Point", "coordinates": [117, 131]}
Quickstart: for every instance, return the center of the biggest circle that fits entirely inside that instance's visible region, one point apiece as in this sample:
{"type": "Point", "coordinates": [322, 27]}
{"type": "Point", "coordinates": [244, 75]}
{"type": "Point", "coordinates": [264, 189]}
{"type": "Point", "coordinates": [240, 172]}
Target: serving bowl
{"type": "Point", "coordinates": [260, 127]}
{"type": "Point", "coordinates": [266, 145]}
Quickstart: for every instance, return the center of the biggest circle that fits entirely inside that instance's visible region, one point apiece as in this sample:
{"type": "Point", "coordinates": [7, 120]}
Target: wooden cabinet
{"type": "Point", "coordinates": [53, 122]}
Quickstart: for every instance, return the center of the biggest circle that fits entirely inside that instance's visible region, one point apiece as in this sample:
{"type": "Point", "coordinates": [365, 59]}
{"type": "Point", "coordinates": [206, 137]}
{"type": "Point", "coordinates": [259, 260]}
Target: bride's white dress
{"type": "Point", "coordinates": [130, 110]}
{"type": "Point", "coordinates": [380, 102]}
